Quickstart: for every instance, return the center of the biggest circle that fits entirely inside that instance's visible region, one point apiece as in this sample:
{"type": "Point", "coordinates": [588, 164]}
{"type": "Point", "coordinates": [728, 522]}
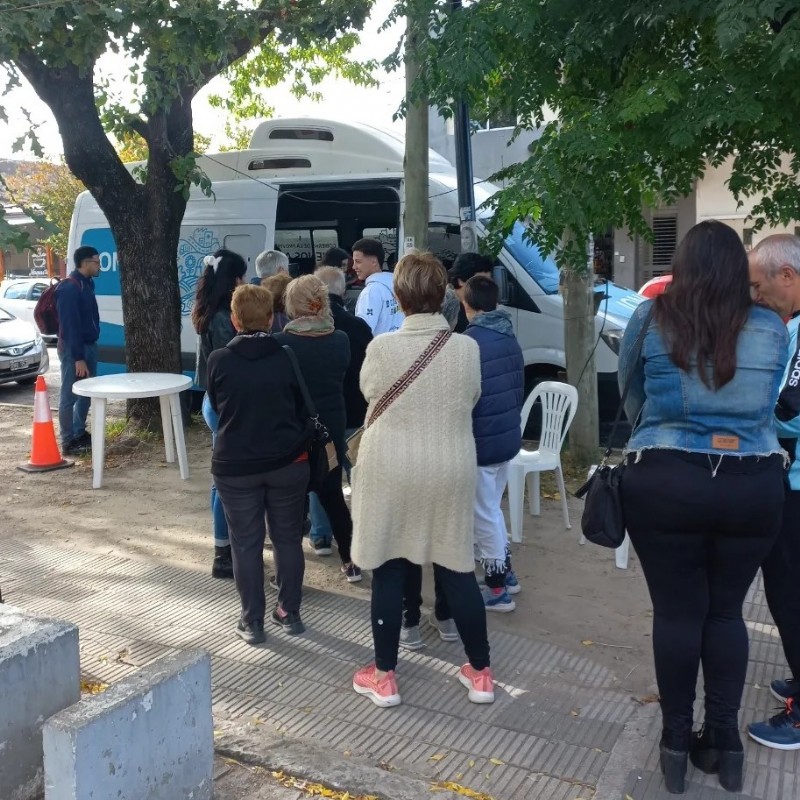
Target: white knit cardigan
{"type": "Point", "coordinates": [414, 484]}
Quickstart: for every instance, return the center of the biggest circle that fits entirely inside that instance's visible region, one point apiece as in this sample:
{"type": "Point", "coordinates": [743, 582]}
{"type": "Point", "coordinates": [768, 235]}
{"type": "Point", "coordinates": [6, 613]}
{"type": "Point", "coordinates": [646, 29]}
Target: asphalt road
{"type": "Point", "coordinates": [23, 395]}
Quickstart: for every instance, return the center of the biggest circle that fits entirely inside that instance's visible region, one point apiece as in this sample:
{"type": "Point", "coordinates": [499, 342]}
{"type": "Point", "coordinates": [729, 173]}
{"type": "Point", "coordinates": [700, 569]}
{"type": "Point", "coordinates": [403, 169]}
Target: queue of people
{"type": "Point", "coordinates": [705, 493]}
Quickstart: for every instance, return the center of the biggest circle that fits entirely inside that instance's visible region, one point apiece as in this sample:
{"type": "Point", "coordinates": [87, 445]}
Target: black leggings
{"type": "Point", "coordinates": [389, 583]}
{"type": "Point", "coordinates": [781, 568]}
{"type": "Point", "coordinates": [332, 500]}
{"type": "Point", "coordinates": [701, 540]}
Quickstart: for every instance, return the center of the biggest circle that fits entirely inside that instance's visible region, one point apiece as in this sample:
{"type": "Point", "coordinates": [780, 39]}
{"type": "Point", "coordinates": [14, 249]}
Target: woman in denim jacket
{"type": "Point", "coordinates": [703, 487]}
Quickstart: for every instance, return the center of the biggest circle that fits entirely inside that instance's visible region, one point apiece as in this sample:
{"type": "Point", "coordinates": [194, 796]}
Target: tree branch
{"type": "Point", "coordinates": [69, 93]}
{"type": "Point", "coordinates": [239, 49]}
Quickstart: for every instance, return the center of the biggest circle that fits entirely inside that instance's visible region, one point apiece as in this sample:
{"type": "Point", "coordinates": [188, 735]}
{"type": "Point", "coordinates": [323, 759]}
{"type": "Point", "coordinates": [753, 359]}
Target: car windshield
{"type": "Point", "coordinates": [542, 269]}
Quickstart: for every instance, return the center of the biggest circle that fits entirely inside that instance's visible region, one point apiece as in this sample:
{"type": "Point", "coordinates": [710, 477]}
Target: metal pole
{"type": "Point", "coordinates": [466, 195]}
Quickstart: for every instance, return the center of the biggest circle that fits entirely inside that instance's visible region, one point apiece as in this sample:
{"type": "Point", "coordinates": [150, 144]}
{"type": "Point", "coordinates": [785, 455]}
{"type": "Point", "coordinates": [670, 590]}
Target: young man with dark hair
{"type": "Point", "coordinates": [466, 266]}
{"type": "Point", "coordinates": [78, 332]}
{"type": "Point", "coordinates": [376, 305]}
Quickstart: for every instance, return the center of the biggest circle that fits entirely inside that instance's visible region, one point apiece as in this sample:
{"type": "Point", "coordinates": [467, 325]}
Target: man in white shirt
{"type": "Point", "coordinates": [376, 305]}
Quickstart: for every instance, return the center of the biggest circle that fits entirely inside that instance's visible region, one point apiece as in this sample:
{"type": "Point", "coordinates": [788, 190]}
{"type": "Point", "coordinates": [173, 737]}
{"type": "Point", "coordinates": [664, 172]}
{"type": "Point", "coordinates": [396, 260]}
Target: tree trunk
{"type": "Point", "coordinates": [415, 164]}
{"type": "Point", "coordinates": [579, 340]}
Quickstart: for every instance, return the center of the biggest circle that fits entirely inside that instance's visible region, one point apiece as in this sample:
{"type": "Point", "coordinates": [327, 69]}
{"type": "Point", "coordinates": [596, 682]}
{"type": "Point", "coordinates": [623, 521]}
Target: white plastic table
{"type": "Point", "coordinates": [165, 386]}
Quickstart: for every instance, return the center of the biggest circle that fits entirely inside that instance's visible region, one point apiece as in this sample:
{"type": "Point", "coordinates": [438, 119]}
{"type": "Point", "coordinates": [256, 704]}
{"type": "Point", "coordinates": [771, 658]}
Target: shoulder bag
{"type": "Point", "coordinates": [603, 522]}
{"type": "Point", "coordinates": [397, 388]}
{"type": "Point", "coordinates": [322, 457]}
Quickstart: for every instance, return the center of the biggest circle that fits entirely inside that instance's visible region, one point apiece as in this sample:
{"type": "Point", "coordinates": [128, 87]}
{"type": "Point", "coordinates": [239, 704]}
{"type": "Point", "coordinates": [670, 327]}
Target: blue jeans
{"type": "Point", "coordinates": [320, 524]}
{"type": "Point", "coordinates": [73, 409]}
{"type": "Point", "coordinates": [217, 511]}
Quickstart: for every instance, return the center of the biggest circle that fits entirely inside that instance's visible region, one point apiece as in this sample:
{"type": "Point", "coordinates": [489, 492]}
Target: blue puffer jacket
{"type": "Point", "coordinates": [496, 418]}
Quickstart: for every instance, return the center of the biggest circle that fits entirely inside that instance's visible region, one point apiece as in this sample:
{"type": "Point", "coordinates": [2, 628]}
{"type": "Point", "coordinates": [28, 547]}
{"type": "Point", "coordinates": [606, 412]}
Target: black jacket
{"type": "Point", "coordinates": [323, 361]}
{"type": "Point", "coordinates": [262, 420]}
{"type": "Point", "coordinates": [360, 335]}
{"type": "Point", "coordinates": [220, 332]}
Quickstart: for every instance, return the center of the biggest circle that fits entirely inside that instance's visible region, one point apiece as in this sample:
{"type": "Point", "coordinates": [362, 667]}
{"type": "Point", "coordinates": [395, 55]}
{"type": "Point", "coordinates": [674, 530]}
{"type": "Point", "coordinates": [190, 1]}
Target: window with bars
{"type": "Point", "coordinates": [665, 240]}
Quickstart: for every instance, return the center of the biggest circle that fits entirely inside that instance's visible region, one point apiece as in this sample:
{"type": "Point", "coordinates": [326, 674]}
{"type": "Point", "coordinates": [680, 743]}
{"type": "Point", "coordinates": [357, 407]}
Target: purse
{"type": "Point", "coordinates": [603, 521]}
{"type": "Point", "coordinates": [322, 458]}
{"type": "Point", "coordinates": [397, 388]}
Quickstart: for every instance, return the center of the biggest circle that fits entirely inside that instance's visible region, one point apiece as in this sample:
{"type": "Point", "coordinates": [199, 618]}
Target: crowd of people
{"type": "Point", "coordinates": [440, 415]}
{"type": "Point", "coordinates": [711, 489]}
{"type": "Point", "coordinates": [429, 368]}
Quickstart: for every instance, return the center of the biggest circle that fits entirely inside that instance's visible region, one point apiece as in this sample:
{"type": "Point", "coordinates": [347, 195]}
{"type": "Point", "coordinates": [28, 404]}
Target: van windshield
{"type": "Point", "coordinates": [543, 270]}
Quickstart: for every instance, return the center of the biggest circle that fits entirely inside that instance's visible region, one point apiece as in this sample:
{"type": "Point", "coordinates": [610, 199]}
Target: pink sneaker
{"type": "Point", "coordinates": [479, 683]}
{"type": "Point", "coordinates": [383, 693]}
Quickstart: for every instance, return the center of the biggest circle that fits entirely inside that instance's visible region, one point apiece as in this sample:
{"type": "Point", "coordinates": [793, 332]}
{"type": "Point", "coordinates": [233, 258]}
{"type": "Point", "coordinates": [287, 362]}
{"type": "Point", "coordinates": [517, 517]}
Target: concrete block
{"type": "Point", "coordinates": [39, 676]}
{"type": "Point", "coordinates": [147, 737]}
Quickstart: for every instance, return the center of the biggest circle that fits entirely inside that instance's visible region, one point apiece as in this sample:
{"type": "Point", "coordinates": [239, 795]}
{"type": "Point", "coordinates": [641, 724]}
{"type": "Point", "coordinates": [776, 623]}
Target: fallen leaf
{"type": "Point", "coordinates": [497, 762]}
{"type": "Point", "coordinates": [459, 789]}
{"type": "Point", "coordinates": [648, 698]}
{"type": "Point", "coordinates": [92, 687]}
{"type": "Point", "coordinates": [574, 712]}
{"type": "Point", "coordinates": [437, 757]}
{"type": "Point", "coordinates": [628, 797]}
{"type": "Point", "coordinates": [587, 642]}
{"type": "Point", "coordinates": [471, 763]}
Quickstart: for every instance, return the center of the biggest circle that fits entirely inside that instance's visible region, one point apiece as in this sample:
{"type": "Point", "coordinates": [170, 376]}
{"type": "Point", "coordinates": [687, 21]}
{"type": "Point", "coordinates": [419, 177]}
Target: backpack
{"type": "Point", "coordinates": [45, 312]}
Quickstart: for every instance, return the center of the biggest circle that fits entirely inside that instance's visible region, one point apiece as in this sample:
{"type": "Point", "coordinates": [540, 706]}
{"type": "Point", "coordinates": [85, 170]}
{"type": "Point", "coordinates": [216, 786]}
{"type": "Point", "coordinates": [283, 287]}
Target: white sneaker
{"type": "Point", "coordinates": [446, 627]}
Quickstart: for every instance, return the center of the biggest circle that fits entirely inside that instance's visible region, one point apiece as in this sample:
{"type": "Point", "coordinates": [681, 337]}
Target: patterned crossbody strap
{"type": "Point", "coordinates": [410, 375]}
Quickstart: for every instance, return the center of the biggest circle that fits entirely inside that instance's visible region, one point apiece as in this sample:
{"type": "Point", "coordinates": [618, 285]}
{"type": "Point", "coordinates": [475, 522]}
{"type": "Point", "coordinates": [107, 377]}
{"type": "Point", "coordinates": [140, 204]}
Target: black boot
{"type": "Point", "coordinates": [674, 749]}
{"type": "Point", "coordinates": [719, 750]}
{"type": "Point", "coordinates": [223, 563]}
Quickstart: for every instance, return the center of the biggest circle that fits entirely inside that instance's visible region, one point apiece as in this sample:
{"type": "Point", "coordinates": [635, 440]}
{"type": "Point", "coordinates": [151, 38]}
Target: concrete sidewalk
{"type": "Point", "coordinates": [561, 727]}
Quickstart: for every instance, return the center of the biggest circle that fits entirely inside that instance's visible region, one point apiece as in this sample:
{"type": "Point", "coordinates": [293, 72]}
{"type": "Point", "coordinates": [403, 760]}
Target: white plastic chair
{"type": "Point", "coordinates": [621, 552]}
{"type": "Point", "coordinates": [559, 403]}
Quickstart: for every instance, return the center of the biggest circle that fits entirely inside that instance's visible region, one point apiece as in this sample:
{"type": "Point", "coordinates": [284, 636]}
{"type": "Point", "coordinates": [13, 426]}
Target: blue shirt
{"type": "Point", "coordinates": [673, 409]}
{"type": "Point", "coordinates": [78, 317]}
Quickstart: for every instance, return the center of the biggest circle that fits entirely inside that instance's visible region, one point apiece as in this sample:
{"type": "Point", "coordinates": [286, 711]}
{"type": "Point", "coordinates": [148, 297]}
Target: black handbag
{"type": "Point", "coordinates": [603, 521]}
{"type": "Point", "coordinates": [322, 457]}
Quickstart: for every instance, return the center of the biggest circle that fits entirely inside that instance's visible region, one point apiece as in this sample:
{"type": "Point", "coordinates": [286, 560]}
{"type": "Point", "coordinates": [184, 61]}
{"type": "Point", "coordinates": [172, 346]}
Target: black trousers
{"type": "Point", "coordinates": [781, 569]}
{"type": "Point", "coordinates": [280, 495]}
{"type": "Point", "coordinates": [332, 499]}
{"type": "Point", "coordinates": [701, 540]}
{"type": "Point", "coordinates": [412, 597]}
{"type": "Point", "coordinates": [461, 591]}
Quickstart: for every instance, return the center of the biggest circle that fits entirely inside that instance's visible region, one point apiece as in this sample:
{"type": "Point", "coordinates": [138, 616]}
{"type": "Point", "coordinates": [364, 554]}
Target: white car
{"type": "Point", "coordinates": [18, 296]}
{"type": "Point", "coordinates": [23, 354]}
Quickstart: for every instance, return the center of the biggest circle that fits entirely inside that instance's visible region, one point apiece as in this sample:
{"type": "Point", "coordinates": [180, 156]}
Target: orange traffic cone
{"type": "Point", "coordinates": [45, 454]}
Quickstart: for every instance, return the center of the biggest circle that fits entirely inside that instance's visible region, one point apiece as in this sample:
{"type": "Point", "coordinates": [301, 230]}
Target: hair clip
{"type": "Point", "coordinates": [212, 261]}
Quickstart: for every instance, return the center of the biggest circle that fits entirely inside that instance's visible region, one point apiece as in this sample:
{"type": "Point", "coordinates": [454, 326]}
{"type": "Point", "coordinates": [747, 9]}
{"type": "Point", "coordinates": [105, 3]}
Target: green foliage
{"type": "Point", "coordinates": [172, 51]}
{"type": "Point", "coordinates": [47, 192]}
{"type": "Point", "coordinates": [646, 97]}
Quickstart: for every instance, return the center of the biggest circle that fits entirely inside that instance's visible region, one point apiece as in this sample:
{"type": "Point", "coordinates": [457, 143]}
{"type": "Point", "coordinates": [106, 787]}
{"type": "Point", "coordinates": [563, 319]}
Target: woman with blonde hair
{"type": "Point", "coordinates": [323, 354]}
{"type": "Point", "coordinates": [414, 484]}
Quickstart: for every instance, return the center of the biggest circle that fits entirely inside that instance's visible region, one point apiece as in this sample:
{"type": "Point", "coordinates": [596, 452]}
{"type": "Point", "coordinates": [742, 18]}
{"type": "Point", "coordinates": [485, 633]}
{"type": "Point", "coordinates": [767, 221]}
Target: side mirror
{"type": "Point", "coordinates": [500, 277]}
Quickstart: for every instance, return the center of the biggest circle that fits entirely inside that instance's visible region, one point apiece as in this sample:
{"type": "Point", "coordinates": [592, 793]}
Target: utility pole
{"type": "Point", "coordinates": [415, 163]}
{"type": "Point", "coordinates": [466, 195]}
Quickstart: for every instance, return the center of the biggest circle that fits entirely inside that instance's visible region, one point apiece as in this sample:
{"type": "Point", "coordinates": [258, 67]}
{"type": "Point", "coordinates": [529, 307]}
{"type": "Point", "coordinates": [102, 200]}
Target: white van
{"type": "Point", "coordinates": [309, 184]}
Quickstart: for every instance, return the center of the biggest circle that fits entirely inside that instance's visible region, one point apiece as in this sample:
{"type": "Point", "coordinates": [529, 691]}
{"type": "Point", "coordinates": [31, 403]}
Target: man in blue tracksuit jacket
{"type": "Point", "coordinates": [775, 282]}
{"type": "Point", "coordinates": [78, 332]}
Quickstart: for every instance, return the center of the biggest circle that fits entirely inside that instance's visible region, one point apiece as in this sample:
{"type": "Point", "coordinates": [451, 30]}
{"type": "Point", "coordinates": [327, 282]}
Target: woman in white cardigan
{"type": "Point", "coordinates": [414, 484]}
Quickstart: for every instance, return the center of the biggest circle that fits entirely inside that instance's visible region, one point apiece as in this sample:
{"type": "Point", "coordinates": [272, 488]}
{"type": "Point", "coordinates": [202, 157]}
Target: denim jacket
{"type": "Point", "coordinates": [673, 409]}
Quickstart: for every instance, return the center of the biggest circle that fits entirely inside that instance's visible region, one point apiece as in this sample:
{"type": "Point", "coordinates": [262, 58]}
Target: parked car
{"type": "Point", "coordinates": [23, 354]}
{"type": "Point", "coordinates": [19, 295]}
{"type": "Point", "coordinates": [656, 286]}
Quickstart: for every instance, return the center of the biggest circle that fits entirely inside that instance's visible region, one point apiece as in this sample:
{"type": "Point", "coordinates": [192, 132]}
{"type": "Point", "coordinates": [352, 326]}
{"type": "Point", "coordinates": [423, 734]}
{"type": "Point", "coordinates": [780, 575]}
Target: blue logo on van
{"type": "Point", "coordinates": [191, 251]}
